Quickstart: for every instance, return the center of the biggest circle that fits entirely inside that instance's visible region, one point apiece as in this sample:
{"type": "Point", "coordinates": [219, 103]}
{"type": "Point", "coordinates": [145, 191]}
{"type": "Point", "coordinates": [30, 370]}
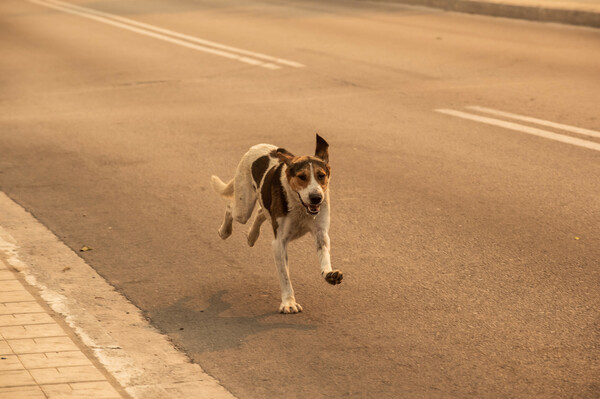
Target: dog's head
{"type": "Point", "coordinates": [308, 176]}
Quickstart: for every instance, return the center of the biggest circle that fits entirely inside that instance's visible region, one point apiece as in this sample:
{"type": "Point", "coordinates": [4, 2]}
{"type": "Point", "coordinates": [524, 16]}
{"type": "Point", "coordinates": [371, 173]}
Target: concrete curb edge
{"type": "Point", "coordinates": [571, 16]}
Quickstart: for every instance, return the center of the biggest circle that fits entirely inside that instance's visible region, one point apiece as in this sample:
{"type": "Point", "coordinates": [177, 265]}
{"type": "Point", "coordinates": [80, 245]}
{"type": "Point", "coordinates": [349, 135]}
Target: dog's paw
{"type": "Point", "coordinates": [224, 233]}
{"type": "Point", "coordinates": [290, 306]}
{"type": "Point", "coordinates": [334, 277]}
{"type": "Point", "coordinates": [252, 239]}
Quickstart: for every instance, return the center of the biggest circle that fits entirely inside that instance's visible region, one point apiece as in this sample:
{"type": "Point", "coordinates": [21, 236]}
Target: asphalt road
{"type": "Point", "coordinates": [471, 251]}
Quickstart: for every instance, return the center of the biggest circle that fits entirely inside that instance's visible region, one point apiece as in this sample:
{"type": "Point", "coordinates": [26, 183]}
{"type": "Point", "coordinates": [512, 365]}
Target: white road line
{"type": "Point", "coordinates": [573, 129]}
{"type": "Point", "coordinates": [87, 13]}
{"type": "Point", "coordinates": [181, 35]}
{"type": "Point", "coordinates": [522, 128]}
{"type": "Point", "coordinates": [236, 57]}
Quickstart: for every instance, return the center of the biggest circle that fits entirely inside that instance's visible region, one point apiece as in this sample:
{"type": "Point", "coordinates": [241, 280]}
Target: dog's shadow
{"type": "Point", "coordinates": [206, 330]}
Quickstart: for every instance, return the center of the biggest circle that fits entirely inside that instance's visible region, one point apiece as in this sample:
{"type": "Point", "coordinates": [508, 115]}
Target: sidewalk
{"type": "Point", "coordinates": [66, 333]}
{"type": "Point", "coordinates": [573, 12]}
{"type": "Point", "coordinates": [40, 358]}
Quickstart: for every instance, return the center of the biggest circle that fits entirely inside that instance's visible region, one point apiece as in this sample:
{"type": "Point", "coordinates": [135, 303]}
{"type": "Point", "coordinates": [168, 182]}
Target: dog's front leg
{"type": "Point", "coordinates": [288, 301]}
{"type": "Point", "coordinates": [323, 244]}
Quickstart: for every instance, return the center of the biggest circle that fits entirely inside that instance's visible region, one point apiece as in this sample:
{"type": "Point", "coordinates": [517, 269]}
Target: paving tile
{"type": "Point", "coordinates": [23, 319]}
{"type": "Point", "coordinates": [54, 359]}
{"type": "Point", "coordinates": [11, 285]}
{"type": "Point", "coordinates": [42, 345]}
{"type": "Point", "coordinates": [66, 374]}
{"type": "Point", "coordinates": [7, 275]}
{"type": "Point", "coordinates": [32, 331]}
{"type": "Point", "coordinates": [10, 362]}
{"type": "Point", "coordinates": [30, 392]}
{"type": "Point", "coordinates": [4, 348]}
{"type": "Point", "coordinates": [20, 307]}
{"type": "Point", "coordinates": [16, 296]}
{"type": "Point", "coordinates": [81, 390]}
{"type": "Point", "coordinates": [15, 378]}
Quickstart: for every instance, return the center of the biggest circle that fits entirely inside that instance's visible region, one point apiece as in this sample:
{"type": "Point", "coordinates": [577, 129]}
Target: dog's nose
{"type": "Point", "coordinates": [315, 199]}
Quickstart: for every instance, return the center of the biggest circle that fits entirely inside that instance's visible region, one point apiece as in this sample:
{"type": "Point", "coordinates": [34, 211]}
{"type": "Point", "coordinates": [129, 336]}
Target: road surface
{"type": "Point", "coordinates": [469, 237]}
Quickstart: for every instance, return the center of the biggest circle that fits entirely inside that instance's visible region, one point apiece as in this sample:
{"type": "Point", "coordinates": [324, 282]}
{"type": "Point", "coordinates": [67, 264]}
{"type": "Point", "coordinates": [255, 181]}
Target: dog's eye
{"type": "Point", "coordinates": [321, 176]}
{"type": "Point", "coordinates": [302, 177]}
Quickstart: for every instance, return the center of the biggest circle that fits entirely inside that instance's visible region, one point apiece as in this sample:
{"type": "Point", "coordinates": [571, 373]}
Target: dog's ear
{"type": "Point", "coordinates": [322, 150]}
{"type": "Point", "coordinates": [284, 156]}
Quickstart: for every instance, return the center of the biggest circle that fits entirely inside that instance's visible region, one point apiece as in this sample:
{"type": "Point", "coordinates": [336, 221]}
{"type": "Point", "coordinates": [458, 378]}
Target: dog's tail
{"type": "Point", "coordinates": [225, 190]}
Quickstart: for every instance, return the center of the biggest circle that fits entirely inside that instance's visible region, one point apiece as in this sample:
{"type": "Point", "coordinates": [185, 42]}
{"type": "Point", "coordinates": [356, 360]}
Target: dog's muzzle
{"type": "Point", "coordinates": [315, 206]}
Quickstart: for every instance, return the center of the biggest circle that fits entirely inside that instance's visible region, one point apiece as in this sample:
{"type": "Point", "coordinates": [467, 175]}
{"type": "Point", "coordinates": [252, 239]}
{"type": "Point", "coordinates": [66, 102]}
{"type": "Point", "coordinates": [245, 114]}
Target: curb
{"type": "Point", "coordinates": [571, 16]}
{"type": "Point", "coordinates": [134, 354]}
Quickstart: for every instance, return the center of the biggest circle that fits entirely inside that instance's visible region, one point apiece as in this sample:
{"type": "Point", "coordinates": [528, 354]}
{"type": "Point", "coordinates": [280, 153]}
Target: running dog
{"type": "Point", "coordinates": [292, 193]}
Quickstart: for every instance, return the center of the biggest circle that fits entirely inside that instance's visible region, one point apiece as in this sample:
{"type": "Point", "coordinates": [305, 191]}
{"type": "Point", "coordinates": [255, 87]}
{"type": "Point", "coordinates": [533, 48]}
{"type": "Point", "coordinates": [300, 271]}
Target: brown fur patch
{"type": "Point", "coordinates": [298, 172]}
{"type": "Point", "coordinates": [321, 175]}
{"type": "Point", "coordinates": [273, 196]}
{"type": "Point", "coordinates": [281, 151]}
{"type": "Point", "coordinates": [259, 167]}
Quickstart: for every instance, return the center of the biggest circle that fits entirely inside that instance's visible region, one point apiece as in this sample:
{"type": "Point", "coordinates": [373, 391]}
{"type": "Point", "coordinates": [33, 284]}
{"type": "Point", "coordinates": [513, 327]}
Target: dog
{"type": "Point", "coordinates": [293, 194]}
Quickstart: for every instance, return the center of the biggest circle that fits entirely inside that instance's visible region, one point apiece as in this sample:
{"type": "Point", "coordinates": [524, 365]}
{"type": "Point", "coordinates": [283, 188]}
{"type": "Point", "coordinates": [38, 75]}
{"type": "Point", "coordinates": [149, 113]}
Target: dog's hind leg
{"type": "Point", "coordinates": [244, 197]}
{"type": "Point", "coordinates": [240, 210]}
{"type": "Point", "coordinates": [227, 226]}
{"type": "Point", "coordinates": [255, 229]}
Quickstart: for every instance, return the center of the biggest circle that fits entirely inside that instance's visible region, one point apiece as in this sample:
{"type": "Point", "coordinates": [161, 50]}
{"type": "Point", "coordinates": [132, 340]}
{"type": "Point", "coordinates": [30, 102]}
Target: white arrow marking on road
{"type": "Point", "coordinates": [245, 56]}
{"type": "Point", "coordinates": [522, 128]}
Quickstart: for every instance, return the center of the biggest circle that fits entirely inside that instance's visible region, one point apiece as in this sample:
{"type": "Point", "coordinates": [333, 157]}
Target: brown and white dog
{"type": "Point", "coordinates": [292, 193]}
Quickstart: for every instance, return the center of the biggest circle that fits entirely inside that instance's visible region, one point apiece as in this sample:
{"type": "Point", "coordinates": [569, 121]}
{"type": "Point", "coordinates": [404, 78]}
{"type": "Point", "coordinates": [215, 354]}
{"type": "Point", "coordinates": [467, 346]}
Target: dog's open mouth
{"type": "Point", "coordinates": [311, 209]}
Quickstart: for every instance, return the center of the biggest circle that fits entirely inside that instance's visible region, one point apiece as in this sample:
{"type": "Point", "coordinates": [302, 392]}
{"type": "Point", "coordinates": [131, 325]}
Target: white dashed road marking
{"type": "Point", "coordinates": [528, 129]}
{"type": "Point", "coordinates": [542, 122]}
{"type": "Point", "coordinates": [191, 42]}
